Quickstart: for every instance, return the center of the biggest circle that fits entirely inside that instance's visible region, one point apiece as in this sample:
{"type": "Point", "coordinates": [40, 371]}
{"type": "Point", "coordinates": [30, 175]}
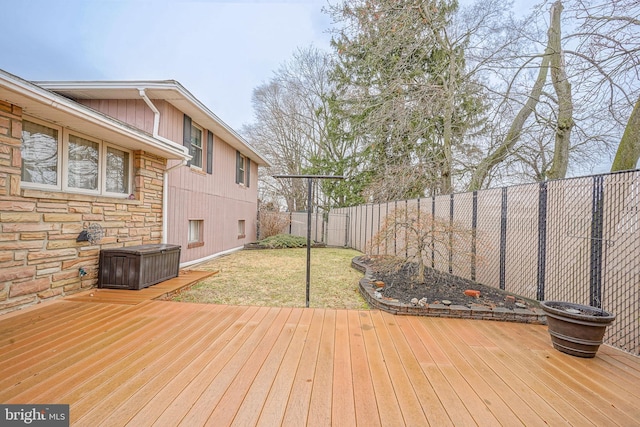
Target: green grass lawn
{"type": "Point", "coordinates": [277, 278]}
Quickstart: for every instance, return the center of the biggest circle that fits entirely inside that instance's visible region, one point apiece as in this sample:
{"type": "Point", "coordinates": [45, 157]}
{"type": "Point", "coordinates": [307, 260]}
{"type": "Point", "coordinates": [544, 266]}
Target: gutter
{"type": "Point", "coordinates": [33, 92]}
{"type": "Point", "coordinates": [178, 96]}
{"type": "Point", "coordinates": [165, 178]}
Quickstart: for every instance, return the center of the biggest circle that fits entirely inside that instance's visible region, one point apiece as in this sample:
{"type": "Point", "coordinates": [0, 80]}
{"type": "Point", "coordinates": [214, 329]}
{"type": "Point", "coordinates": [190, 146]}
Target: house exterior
{"type": "Point", "coordinates": [146, 161]}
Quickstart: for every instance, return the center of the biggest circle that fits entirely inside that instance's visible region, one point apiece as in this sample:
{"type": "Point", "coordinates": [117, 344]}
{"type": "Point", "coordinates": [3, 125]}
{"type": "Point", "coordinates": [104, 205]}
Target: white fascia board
{"type": "Point", "coordinates": [20, 92]}
{"type": "Point", "coordinates": [168, 90]}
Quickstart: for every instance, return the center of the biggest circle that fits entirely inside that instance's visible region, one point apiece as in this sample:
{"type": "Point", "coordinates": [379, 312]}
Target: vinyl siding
{"type": "Point", "coordinates": [193, 194]}
{"type": "Point", "coordinates": [217, 200]}
{"type": "Point", "coordinates": [131, 111]}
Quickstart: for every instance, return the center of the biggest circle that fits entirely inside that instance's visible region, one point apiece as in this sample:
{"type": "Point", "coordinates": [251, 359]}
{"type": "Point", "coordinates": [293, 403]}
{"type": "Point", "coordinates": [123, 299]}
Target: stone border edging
{"type": "Point", "coordinates": [518, 315]}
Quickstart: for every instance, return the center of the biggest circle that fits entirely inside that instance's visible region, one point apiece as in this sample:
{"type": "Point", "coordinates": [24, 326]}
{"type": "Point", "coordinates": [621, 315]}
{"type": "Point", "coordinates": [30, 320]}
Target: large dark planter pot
{"type": "Point", "coordinates": [576, 329]}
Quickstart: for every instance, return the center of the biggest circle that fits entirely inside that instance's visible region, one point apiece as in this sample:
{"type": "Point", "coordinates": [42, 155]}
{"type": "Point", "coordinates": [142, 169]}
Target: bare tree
{"type": "Point", "coordinates": [411, 235]}
{"type": "Point", "coordinates": [575, 122]}
{"type": "Point", "coordinates": [423, 97]}
{"type": "Point", "coordinates": [535, 155]}
{"type": "Point", "coordinates": [564, 121]}
{"type": "Point", "coordinates": [290, 124]}
{"type": "Point", "coordinates": [514, 133]}
{"type": "Point", "coordinates": [608, 50]}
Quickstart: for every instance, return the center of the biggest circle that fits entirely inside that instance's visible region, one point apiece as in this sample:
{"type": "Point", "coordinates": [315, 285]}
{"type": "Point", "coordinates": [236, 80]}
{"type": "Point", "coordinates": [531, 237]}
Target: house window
{"type": "Point", "coordinates": [240, 161]}
{"type": "Point", "coordinates": [241, 233]}
{"type": "Point", "coordinates": [54, 158]}
{"type": "Point", "coordinates": [82, 165]}
{"type": "Point", "coordinates": [243, 170]}
{"type": "Point", "coordinates": [117, 177]}
{"type": "Point", "coordinates": [196, 227]}
{"type": "Point", "coordinates": [196, 145]}
{"type": "Point", "coordinates": [39, 150]}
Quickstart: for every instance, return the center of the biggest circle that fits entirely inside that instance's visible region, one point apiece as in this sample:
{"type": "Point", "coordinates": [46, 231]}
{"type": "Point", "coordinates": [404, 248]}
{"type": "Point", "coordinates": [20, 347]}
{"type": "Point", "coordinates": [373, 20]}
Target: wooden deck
{"type": "Point", "coordinates": [163, 290]}
{"type": "Point", "coordinates": [166, 364]}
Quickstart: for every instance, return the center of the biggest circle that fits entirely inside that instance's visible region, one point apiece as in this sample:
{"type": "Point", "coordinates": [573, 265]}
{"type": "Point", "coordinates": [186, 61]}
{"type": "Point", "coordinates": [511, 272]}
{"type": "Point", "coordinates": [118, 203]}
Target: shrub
{"type": "Point", "coordinates": [272, 223]}
{"type": "Point", "coordinates": [413, 235]}
{"type": "Point", "coordinates": [282, 241]}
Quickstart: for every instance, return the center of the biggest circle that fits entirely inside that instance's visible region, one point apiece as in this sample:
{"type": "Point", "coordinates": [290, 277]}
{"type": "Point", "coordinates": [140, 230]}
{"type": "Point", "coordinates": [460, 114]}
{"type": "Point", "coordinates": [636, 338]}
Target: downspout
{"type": "Point", "coordinates": [165, 178]}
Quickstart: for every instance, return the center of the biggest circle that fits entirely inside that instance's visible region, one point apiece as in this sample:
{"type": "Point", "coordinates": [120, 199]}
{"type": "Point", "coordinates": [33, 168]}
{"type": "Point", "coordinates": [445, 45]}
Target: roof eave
{"type": "Point", "coordinates": [168, 90]}
{"type": "Point", "coordinates": [46, 105]}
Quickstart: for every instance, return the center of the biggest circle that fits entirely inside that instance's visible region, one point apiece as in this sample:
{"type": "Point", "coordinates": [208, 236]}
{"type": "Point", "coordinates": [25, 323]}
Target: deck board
{"type": "Point", "coordinates": [545, 363]}
{"type": "Point", "coordinates": [249, 409]}
{"type": "Point", "coordinates": [322, 385]}
{"type": "Point", "coordinates": [460, 375]}
{"type": "Point", "coordinates": [389, 409]}
{"type": "Point", "coordinates": [365, 404]}
{"type": "Point", "coordinates": [410, 407]}
{"type": "Point", "coordinates": [413, 355]}
{"type": "Point", "coordinates": [300, 395]}
{"type": "Point", "coordinates": [216, 370]}
{"type": "Point", "coordinates": [276, 402]}
{"type": "Point", "coordinates": [162, 290]}
{"type": "Point", "coordinates": [446, 381]}
{"type": "Point", "coordinates": [136, 391]}
{"type": "Point", "coordinates": [343, 411]}
{"type": "Point", "coordinates": [591, 378]}
{"type": "Point", "coordinates": [71, 377]}
{"type": "Point", "coordinates": [181, 368]}
{"type": "Point", "coordinates": [224, 412]}
{"type": "Point", "coordinates": [166, 363]}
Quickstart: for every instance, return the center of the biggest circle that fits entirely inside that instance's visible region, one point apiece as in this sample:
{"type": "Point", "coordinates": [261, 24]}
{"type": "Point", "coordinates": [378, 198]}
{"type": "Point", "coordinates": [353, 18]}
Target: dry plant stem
{"type": "Point", "coordinates": [272, 223]}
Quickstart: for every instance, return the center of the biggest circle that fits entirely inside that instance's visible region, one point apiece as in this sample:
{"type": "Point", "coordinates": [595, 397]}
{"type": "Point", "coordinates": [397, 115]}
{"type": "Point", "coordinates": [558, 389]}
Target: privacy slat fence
{"type": "Point", "coordinates": [575, 240]}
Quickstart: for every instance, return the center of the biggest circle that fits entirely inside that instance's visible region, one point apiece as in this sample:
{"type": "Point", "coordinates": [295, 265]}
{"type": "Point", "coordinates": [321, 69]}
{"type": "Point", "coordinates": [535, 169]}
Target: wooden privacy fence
{"type": "Point", "coordinates": [575, 240]}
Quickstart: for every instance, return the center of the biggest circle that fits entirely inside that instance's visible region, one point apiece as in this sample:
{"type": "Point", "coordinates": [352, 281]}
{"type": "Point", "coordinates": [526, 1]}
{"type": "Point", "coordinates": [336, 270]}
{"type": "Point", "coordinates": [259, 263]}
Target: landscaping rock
{"type": "Point", "coordinates": [401, 284]}
{"type": "Point", "coordinates": [487, 307]}
{"type": "Point", "coordinates": [509, 301]}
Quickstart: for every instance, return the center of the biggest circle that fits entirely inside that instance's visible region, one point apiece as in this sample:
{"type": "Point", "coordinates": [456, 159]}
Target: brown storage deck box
{"type": "Point", "coordinates": [138, 267]}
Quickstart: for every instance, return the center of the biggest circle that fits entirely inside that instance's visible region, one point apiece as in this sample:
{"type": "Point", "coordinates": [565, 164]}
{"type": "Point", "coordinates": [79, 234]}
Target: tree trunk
{"type": "Point", "coordinates": [563, 90]}
{"type": "Point", "coordinates": [446, 185]}
{"type": "Point", "coordinates": [629, 149]}
{"type": "Point", "coordinates": [515, 130]}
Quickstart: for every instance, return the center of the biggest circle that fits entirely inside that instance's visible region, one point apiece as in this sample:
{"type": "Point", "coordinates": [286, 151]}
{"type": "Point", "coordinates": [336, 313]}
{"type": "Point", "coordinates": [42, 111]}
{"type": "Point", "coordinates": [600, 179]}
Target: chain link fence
{"type": "Point", "coordinates": [575, 240]}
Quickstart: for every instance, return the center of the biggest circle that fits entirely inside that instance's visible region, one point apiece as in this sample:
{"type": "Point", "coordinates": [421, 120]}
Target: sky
{"type": "Point", "coordinates": [219, 50]}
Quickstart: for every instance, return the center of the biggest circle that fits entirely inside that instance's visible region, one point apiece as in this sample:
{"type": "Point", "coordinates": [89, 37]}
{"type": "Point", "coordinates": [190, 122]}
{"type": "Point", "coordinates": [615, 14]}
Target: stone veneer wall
{"type": "Point", "coordinates": [39, 256]}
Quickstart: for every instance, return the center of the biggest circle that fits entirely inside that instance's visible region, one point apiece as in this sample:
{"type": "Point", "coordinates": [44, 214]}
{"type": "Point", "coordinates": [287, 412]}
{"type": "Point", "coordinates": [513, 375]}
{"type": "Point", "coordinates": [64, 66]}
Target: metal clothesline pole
{"type": "Point", "coordinates": [309, 210]}
{"type": "Point", "coordinates": [310, 179]}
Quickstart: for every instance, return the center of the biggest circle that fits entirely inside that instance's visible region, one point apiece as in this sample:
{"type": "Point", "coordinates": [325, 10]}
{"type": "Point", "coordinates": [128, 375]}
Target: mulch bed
{"type": "Point", "coordinates": [400, 284]}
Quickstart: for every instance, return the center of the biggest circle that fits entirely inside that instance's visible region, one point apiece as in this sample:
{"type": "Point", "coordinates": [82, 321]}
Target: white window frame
{"type": "Point", "coordinates": [200, 233]}
{"type": "Point", "coordinates": [65, 170]}
{"type": "Point", "coordinates": [242, 229]}
{"type": "Point", "coordinates": [63, 164]}
{"type": "Point", "coordinates": [36, 185]}
{"type": "Point", "coordinates": [103, 174]}
{"type": "Point", "coordinates": [243, 175]}
{"type": "Point", "coordinates": [195, 148]}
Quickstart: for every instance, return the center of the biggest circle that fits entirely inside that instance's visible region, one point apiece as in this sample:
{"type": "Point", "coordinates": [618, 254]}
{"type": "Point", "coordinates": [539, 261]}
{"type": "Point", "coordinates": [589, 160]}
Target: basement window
{"type": "Point", "coordinates": [196, 227]}
{"type": "Point", "coordinates": [241, 229]}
